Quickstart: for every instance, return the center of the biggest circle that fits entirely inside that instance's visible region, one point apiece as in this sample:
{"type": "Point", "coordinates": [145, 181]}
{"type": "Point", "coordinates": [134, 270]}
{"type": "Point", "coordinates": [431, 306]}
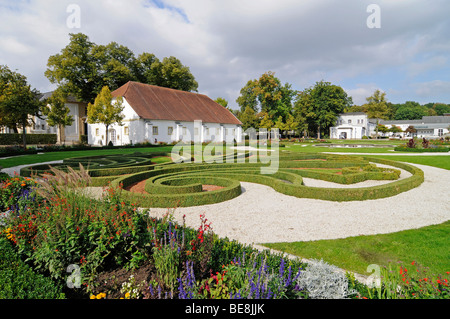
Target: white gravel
{"type": "Point", "coordinates": [262, 215]}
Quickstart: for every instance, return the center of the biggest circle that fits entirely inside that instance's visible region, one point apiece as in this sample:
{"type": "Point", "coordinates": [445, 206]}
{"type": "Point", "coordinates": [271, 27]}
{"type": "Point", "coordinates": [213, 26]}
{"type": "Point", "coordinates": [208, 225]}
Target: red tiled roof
{"type": "Point", "coordinates": [159, 103]}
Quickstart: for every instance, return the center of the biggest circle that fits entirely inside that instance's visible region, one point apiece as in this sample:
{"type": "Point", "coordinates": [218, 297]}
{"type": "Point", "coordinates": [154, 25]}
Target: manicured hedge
{"type": "Point", "coordinates": [12, 139]}
{"type": "Point", "coordinates": [422, 150]}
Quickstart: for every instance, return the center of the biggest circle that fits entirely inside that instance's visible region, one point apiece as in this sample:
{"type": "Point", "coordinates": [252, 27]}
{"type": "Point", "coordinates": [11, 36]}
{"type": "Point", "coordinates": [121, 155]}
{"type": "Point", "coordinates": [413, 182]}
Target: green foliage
{"type": "Point", "coordinates": [18, 102]}
{"type": "Point", "coordinates": [105, 110]}
{"type": "Point", "coordinates": [320, 105]}
{"type": "Point", "coordinates": [35, 139]}
{"type": "Point", "coordinates": [19, 281]}
{"type": "Point", "coordinates": [58, 112]}
{"type": "Point", "coordinates": [83, 68]}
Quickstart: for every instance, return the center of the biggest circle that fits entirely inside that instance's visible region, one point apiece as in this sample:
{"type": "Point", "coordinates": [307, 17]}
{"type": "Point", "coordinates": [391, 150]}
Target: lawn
{"type": "Point", "coordinates": [56, 156]}
{"type": "Point", "coordinates": [427, 246]}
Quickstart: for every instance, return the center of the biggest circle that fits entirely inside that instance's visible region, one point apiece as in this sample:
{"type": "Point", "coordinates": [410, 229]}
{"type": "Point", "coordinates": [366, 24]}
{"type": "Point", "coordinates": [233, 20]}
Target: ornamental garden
{"type": "Point", "coordinates": [58, 240]}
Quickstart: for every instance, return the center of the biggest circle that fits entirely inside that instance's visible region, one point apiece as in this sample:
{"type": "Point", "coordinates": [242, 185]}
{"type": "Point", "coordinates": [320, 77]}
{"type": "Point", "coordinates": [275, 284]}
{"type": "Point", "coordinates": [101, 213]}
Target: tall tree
{"type": "Point", "coordinates": [267, 94]}
{"type": "Point", "coordinates": [83, 68]}
{"type": "Point", "coordinates": [321, 104]}
{"type": "Point", "coordinates": [18, 102]}
{"type": "Point", "coordinates": [105, 110]}
{"type": "Point", "coordinates": [376, 107]}
{"type": "Point", "coordinates": [58, 114]}
{"type": "Point", "coordinates": [175, 75]}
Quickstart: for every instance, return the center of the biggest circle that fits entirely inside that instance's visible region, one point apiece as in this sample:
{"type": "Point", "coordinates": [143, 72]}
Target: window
{"type": "Point", "coordinates": [184, 131]}
{"type": "Point", "coordinates": [170, 130]}
{"type": "Point", "coordinates": [217, 131]}
{"type": "Point", "coordinates": [155, 130]}
{"type": "Point", "coordinates": [440, 132]}
{"type": "Point", "coordinates": [349, 121]}
{"type": "Point", "coordinates": [207, 131]}
{"type": "Point", "coordinates": [97, 132]}
{"type": "Point", "coordinates": [126, 130]}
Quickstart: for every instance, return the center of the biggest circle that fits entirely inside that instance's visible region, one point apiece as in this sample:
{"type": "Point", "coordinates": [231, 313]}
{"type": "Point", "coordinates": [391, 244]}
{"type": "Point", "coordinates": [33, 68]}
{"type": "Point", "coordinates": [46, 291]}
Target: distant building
{"type": "Point", "coordinates": [428, 126]}
{"type": "Point", "coordinates": [71, 133]}
{"type": "Point", "coordinates": [353, 125]}
{"type": "Point", "coordinates": [157, 114]}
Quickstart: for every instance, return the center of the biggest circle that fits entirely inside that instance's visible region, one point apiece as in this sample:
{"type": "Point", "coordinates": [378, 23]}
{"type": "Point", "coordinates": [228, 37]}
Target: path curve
{"type": "Point", "coordinates": [262, 215]}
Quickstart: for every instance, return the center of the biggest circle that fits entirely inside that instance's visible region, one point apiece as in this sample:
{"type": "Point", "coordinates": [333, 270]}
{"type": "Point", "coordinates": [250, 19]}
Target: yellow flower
{"type": "Point", "coordinates": [127, 295]}
{"type": "Point", "coordinates": [92, 297]}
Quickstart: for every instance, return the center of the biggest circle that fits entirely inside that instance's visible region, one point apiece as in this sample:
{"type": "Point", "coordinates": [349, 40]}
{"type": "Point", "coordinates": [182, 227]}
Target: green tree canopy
{"type": "Point", "coordinates": [320, 105]}
{"type": "Point", "coordinates": [267, 94]}
{"type": "Point", "coordinates": [18, 102]}
{"type": "Point", "coordinates": [249, 119]}
{"type": "Point", "coordinates": [57, 113]}
{"type": "Point", "coordinates": [105, 110]}
{"type": "Point", "coordinates": [83, 68]}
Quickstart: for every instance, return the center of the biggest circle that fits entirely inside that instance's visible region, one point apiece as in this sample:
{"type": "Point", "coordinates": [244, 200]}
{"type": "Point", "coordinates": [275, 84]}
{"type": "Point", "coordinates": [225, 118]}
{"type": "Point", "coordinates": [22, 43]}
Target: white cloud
{"type": "Point", "coordinates": [227, 43]}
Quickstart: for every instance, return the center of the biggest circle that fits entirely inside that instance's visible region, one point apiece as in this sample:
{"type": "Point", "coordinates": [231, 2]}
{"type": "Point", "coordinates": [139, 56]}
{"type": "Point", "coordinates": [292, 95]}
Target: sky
{"type": "Point", "coordinates": [401, 47]}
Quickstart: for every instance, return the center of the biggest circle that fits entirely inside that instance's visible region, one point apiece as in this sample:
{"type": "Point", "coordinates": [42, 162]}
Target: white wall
{"type": "Point", "coordinates": [136, 130]}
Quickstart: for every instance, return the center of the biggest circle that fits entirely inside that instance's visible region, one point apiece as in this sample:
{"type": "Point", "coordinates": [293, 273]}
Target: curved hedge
{"type": "Point", "coordinates": [181, 184]}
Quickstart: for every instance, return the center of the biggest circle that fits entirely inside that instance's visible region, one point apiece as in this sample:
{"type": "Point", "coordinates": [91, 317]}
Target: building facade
{"type": "Point", "coordinates": [431, 127]}
{"type": "Point", "coordinates": [353, 125]}
{"type": "Point", "coordinates": [155, 114]}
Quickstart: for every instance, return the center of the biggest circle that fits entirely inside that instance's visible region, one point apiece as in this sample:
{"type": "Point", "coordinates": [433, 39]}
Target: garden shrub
{"type": "Point", "coordinates": [19, 281]}
{"type": "Point", "coordinates": [12, 139]}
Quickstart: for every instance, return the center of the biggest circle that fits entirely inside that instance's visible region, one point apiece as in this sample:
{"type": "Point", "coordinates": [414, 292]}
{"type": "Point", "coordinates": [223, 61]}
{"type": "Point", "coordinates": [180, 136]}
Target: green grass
{"type": "Point", "coordinates": [436, 161]}
{"type": "Point", "coordinates": [56, 156]}
{"type": "Point", "coordinates": [428, 246]}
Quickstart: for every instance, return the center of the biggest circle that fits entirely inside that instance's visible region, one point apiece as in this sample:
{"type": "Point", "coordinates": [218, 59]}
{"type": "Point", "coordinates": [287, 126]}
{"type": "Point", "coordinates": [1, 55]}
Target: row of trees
{"type": "Point", "coordinates": [88, 72]}
{"type": "Point", "coordinates": [266, 103]}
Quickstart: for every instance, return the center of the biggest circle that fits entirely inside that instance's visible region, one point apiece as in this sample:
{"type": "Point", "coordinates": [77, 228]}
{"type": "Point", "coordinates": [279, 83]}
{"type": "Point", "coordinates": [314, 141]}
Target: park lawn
{"type": "Point", "coordinates": [427, 246]}
{"type": "Point", "coordinates": [56, 156]}
{"type": "Point", "coordinates": [440, 161]}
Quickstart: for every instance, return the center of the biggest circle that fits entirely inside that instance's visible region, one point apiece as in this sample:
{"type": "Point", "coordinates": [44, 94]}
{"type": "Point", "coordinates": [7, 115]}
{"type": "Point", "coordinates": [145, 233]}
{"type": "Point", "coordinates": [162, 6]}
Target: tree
{"type": "Point", "coordinates": [320, 105]}
{"type": "Point", "coordinates": [175, 75]}
{"type": "Point", "coordinates": [58, 113]}
{"type": "Point", "coordinates": [266, 94]}
{"type": "Point", "coordinates": [222, 101]}
{"type": "Point", "coordinates": [17, 101]}
{"type": "Point", "coordinates": [266, 121]}
{"type": "Point", "coordinates": [395, 129]}
{"type": "Point", "coordinates": [291, 124]}
{"type": "Point", "coordinates": [376, 107]}
{"type": "Point", "coordinates": [105, 111]}
{"type": "Point", "coordinates": [279, 124]}
{"type": "Point", "coordinates": [83, 68]}
{"type": "Point", "coordinates": [382, 128]}
{"type": "Point", "coordinates": [249, 119]}
{"type": "Point", "coordinates": [410, 110]}
{"type": "Point", "coordinates": [411, 130]}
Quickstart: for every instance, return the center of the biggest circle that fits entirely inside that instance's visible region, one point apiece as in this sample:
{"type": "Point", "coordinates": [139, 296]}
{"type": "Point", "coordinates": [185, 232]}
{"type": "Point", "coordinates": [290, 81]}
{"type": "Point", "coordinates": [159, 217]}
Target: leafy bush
{"type": "Point", "coordinates": [11, 139]}
{"type": "Point", "coordinates": [19, 281]}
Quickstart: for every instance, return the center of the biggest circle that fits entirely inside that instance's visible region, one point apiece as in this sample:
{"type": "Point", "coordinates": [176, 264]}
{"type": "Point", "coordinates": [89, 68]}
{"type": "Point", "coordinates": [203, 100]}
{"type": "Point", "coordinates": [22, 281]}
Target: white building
{"type": "Point", "coordinates": [353, 125]}
{"type": "Point", "coordinates": [156, 114]}
{"type": "Point", "coordinates": [72, 133]}
{"type": "Point", "coordinates": [428, 127]}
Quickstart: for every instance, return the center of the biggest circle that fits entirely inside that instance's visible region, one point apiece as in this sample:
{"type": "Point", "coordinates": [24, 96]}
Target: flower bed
{"type": "Point", "coordinates": [121, 252]}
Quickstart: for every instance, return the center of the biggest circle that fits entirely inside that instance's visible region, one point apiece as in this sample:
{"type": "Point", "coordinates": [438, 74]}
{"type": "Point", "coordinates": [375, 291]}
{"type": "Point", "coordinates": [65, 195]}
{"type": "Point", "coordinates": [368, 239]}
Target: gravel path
{"type": "Point", "coordinates": [262, 215]}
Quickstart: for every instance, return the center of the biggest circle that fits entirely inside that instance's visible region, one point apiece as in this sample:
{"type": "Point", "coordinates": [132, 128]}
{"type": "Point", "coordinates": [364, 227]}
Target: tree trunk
{"type": "Point", "coordinates": [24, 134]}
{"type": "Point", "coordinates": [106, 136]}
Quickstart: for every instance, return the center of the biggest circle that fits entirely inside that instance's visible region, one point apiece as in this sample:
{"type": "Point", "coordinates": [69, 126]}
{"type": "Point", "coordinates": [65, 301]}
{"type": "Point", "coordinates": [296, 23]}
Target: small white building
{"type": "Point", "coordinates": [156, 114]}
{"type": "Point", "coordinates": [353, 125]}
